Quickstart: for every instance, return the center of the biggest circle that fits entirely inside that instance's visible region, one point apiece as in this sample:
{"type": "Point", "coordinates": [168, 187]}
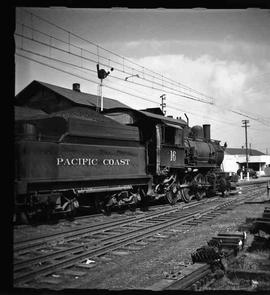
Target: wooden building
{"type": "Point", "coordinates": [51, 98]}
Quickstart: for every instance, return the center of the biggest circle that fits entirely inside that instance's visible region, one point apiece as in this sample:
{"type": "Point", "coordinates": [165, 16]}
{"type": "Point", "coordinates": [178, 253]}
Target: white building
{"type": "Point", "coordinates": [235, 158]}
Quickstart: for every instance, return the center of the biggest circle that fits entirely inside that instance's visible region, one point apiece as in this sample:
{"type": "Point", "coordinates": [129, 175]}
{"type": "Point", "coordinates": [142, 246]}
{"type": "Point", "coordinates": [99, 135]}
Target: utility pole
{"type": "Point", "coordinates": [245, 122]}
{"type": "Point", "coordinates": [163, 104]}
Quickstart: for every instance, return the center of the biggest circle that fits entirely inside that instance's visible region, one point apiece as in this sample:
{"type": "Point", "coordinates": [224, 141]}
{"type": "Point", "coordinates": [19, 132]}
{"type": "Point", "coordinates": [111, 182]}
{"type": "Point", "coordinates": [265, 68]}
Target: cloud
{"type": "Point", "coordinates": [231, 83]}
{"type": "Point", "coordinates": [226, 48]}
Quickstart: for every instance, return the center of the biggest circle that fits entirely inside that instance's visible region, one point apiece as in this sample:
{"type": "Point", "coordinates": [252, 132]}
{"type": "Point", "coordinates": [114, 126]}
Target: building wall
{"type": "Point", "coordinates": [47, 101]}
{"type": "Point", "coordinates": [232, 163]}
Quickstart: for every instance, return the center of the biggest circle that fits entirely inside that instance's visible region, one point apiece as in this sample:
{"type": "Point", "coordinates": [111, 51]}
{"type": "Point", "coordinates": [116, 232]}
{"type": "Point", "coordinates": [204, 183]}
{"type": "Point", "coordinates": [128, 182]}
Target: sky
{"type": "Point", "coordinates": [223, 54]}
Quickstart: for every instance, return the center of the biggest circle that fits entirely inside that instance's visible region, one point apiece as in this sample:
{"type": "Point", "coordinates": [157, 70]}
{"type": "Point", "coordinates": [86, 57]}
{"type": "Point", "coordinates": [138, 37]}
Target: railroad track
{"type": "Point", "coordinates": [93, 228]}
{"type": "Point", "coordinates": [87, 225]}
{"type": "Point", "coordinates": [194, 277]}
{"type": "Point", "coordinates": [96, 236]}
{"type": "Point", "coordinates": [33, 260]}
{"type": "Point", "coordinates": [86, 216]}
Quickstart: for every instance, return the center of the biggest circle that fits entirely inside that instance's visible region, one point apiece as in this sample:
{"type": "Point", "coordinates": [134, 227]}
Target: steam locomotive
{"type": "Point", "coordinates": [80, 158]}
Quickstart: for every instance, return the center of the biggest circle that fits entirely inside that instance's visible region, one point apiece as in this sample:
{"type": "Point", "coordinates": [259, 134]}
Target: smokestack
{"type": "Point", "coordinates": [206, 131]}
{"type": "Point", "coordinates": [76, 87]}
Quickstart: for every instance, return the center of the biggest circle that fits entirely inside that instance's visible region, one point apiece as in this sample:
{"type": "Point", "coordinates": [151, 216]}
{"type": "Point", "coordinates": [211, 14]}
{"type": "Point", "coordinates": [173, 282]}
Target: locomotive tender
{"type": "Point", "coordinates": [82, 158]}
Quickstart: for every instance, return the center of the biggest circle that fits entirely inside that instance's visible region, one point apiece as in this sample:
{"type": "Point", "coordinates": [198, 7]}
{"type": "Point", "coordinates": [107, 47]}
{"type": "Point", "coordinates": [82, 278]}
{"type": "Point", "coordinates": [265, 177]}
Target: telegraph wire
{"type": "Point", "coordinates": [87, 69]}
{"type": "Point", "coordinates": [83, 78]}
{"type": "Point", "coordinates": [113, 88]}
{"type": "Point", "coordinates": [143, 68]}
{"type": "Point", "coordinates": [116, 89]}
{"type": "Point", "coordinates": [124, 59]}
{"type": "Point", "coordinates": [121, 91]}
{"type": "Point", "coordinates": [136, 83]}
{"type": "Point", "coordinates": [94, 61]}
{"type": "Point", "coordinates": [103, 57]}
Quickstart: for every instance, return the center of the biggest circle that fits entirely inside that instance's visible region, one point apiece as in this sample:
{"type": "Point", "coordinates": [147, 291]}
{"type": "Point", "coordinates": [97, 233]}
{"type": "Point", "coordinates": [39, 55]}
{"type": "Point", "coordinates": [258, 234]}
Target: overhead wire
{"type": "Point", "coordinates": [136, 83]}
{"type": "Point", "coordinates": [140, 97]}
{"type": "Point", "coordinates": [119, 90]}
{"type": "Point", "coordinates": [125, 72]}
{"type": "Point", "coordinates": [121, 57]}
{"type": "Point", "coordinates": [109, 51]}
{"type": "Point", "coordinates": [124, 59]}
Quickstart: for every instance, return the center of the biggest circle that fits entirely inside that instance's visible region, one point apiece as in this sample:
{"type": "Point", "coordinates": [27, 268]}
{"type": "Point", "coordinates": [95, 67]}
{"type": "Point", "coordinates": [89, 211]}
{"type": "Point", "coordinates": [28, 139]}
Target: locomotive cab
{"type": "Point", "coordinates": [163, 136]}
{"type": "Point", "coordinates": [169, 147]}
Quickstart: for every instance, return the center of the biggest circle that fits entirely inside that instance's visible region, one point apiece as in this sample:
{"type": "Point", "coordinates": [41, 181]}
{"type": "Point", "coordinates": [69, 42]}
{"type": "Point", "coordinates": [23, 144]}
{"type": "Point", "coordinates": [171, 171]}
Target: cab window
{"type": "Point", "coordinates": [168, 135]}
{"type": "Point", "coordinates": [172, 136]}
{"type": "Point", "coordinates": [178, 137]}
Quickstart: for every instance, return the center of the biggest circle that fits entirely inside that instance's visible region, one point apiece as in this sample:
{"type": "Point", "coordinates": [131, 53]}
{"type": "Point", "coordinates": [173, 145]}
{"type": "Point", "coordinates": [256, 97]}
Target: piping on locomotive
{"type": "Point", "coordinates": [129, 156]}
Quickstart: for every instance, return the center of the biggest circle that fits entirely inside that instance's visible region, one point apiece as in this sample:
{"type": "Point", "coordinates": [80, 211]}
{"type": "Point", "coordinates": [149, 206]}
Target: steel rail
{"type": "Point", "coordinates": [57, 254]}
{"type": "Point", "coordinates": [126, 238]}
{"type": "Point", "coordinates": [40, 240]}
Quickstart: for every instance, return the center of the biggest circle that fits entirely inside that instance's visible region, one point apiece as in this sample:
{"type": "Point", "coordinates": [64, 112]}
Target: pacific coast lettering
{"type": "Point", "coordinates": [91, 162]}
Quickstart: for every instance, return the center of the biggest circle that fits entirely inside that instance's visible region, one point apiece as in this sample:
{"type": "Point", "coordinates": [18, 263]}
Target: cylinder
{"type": "Point", "coordinates": [206, 131]}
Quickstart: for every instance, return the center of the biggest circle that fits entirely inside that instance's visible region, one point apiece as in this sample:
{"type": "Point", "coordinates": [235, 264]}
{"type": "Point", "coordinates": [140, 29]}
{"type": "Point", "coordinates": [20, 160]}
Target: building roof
{"type": "Point", "coordinates": [21, 113]}
{"type": "Point", "coordinates": [77, 97]}
{"type": "Point", "coordinates": [240, 151]}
